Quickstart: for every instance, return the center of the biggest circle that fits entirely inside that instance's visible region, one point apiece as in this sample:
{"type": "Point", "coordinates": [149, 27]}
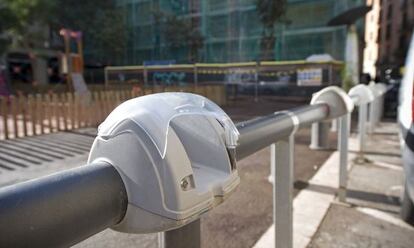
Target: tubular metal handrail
{"type": "Point", "coordinates": [258, 133]}
{"type": "Point", "coordinates": [62, 209]}
{"type": "Point", "coordinates": [69, 206]}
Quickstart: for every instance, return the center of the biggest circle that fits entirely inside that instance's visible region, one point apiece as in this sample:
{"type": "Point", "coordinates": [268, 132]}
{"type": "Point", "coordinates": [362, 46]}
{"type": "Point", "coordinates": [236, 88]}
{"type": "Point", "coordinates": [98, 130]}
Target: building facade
{"type": "Point", "coordinates": [231, 30]}
{"type": "Point", "coordinates": [395, 23]}
{"type": "Point", "coordinates": [372, 23]}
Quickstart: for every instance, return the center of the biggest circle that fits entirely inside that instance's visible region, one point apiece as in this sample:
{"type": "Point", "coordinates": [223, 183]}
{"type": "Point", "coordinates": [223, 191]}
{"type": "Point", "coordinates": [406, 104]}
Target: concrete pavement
{"type": "Point", "coordinates": [370, 218]}
{"type": "Point", "coordinates": [31, 157]}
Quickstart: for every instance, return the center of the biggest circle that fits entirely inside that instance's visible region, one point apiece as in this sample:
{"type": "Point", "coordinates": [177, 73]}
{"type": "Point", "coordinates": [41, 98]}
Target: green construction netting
{"type": "Point", "coordinates": [232, 30]}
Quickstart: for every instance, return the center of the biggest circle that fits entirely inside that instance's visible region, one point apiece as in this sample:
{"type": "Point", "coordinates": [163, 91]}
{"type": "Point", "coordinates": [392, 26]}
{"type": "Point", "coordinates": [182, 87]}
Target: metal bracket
{"type": "Point", "coordinates": [338, 101]}
{"type": "Point", "coordinates": [363, 93]}
{"type": "Point", "coordinates": [381, 88]}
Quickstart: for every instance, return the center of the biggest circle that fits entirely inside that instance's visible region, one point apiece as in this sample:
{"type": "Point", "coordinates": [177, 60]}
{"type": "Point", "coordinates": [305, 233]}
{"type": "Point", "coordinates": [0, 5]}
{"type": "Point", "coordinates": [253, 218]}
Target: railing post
{"type": "Point", "coordinates": [271, 177]}
{"type": "Point", "coordinates": [381, 102]}
{"type": "Point", "coordinates": [334, 125]}
{"type": "Point", "coordinates": [362, 120]}
{"type": "Point", "coordinates": [378, 113]}
{"type": "Point", "coordinates": [343, 136]}
{"type": "Point", "coordinates": [372, 112]}
{"type": "Point", "coordinates": [283, 191]}
{"type": "Point", "coordinates": [188, 236]}
{"type": "Point", "coordinates": [145, 72]}
{"type": "Point", "coordinates": [256, 82]}
{"type": "Point", "coordinates": [319, 136]}
{"type": "Point", "coordinates": [195, 76]}
{"type": "Point", "coordinates": [363, 95]}
{"type": "Point", "coordinates": [381, 90]}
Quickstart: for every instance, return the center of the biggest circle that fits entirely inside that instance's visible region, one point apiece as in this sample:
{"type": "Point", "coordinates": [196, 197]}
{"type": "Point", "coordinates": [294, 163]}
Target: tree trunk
{"type": "Point", "coordinates": [267, 47]}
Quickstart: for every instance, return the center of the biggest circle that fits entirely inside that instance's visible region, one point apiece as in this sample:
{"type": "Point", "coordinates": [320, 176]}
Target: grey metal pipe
{"type": "Point", "coordinates": [319, 136]}
{"type": "Point", "coordinates": [258, 133]}
{"type": "Point", "coordinates": [363, 114]}
{"type": "Point", "coordinates": [343, 137]}
{"type": "Point", "coordinates": [188, 236]}
{"type": "Point", "coordinates": [283, 191]}
{"type": "Point", "coordinates": [62, 209]}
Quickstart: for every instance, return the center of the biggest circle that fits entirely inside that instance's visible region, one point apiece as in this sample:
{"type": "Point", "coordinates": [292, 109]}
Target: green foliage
{"type": "Point", "coordinates": [347, 82]}
{"type": "Point", "coordinates": [23, 19]}
{"type": "Point", "coordinates": [100, 21]}
{"type": "Point", "coordinates": [270, 13]}
{"type": "Point", "coordinates": [28, 12]}
{"type": "Point", "coordinates": [180, 33]}
{"type": "Point", "coordinates": [7, 21]}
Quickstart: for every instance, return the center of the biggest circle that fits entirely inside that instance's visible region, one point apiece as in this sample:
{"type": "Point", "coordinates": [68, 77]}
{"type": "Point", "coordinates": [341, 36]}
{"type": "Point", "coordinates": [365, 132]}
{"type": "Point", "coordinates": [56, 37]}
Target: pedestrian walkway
{"type": "Point", "coordinates": [30, 157]}
{"type": "Point", "coordinates": [370, 218]}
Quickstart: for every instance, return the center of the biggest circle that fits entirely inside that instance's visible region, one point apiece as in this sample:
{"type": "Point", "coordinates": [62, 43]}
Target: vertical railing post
{"type": "Point", "coordinates": [195, 71]}
{"type": "Point", "coordinates": [334, 125]}
{"type": "Point", "coordinates": [319, 136]}
{"type": "Point", "coordinates": [283, 192]}
{"type": "Point", "coordinates": [14, 107]}
{"type": "Point", "coordinates": [188, 236]}
{"type": "Point", "coordinates": [145, 71]}
{"type": "Point", "coordinates": [372, 111]}
{"type": "Point", "coordinates": [256, 82]}
{"type": "Point", "coordinates": [4, 113]}
{"type": "Point", "coordinates": [362, 119]}
{"type": "Point", "coordinates": [271, 177]}
{"type": "Point", "coordinates": [343, 136]}
{"type": "Point", "coordinates": [106, 76]}
{"type": "Point", "coordinates": [381, 107]}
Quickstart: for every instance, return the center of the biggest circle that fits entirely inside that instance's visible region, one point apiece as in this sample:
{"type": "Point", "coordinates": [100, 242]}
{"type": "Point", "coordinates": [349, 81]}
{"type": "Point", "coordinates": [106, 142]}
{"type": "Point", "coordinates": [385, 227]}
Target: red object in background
{"type": "Point", "coordinates": [136, 91]}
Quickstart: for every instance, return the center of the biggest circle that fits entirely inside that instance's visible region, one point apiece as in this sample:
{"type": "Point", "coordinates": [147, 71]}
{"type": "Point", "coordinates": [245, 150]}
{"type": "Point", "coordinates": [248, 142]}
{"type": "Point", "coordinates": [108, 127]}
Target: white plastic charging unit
{"type": "Point", "coordinates": [176, 155]}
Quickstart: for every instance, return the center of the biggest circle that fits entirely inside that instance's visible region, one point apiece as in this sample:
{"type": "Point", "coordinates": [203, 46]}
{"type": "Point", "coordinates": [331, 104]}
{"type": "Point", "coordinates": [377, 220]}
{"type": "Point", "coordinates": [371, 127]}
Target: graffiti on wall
{"type": "Point", "coordinates": [168, 78]}
{"type": "Point", "coordinates": [240, 76]}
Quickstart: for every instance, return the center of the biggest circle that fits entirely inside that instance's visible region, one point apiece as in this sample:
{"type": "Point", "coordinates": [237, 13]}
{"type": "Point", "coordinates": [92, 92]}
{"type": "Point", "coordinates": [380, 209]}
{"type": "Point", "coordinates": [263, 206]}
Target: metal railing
{"type": "Point", "coordinates": [70, 206]}
{"type": "Point", "coordinates": [62, 209]}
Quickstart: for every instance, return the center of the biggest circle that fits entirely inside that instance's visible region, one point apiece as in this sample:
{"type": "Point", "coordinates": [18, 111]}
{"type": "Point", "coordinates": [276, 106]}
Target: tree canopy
{"type": "Point", "coordinates": [100, 21]}
{"type": "Point", "coordinates": [270, 13]}
{"type": "Point", "coordinates": [8, 21]}
{"type": "Point", "coordinates": [180, 33]}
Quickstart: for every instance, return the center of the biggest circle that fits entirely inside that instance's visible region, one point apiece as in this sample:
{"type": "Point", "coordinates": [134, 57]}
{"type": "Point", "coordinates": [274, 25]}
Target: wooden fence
{"type": "Point", "coordinates": [47, 113]}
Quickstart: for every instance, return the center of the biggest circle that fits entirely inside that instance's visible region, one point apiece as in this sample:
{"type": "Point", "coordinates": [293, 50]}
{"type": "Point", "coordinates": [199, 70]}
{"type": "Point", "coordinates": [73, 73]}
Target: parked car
{"type": "Point", "coordinates": [406, 122]}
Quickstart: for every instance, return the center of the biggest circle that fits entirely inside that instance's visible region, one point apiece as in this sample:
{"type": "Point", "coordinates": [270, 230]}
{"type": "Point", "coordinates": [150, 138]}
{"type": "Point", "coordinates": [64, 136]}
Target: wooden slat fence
{"type": "Point", "coordinates": [53, 112]}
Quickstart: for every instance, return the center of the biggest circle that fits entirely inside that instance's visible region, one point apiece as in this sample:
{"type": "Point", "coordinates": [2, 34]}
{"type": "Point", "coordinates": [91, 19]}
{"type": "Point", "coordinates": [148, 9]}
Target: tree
{"type": "Point", "coordinates": [22, 25]}
{"type": "Point", "coordinates": [26, 20]}
{"type": "Point", "coordinates": [181, 33]}
{"type": "Point", "coordinates": [7, 22]}
{"type": "Point", "coordinates": [270, 13]}
{"type": "Point", "coordinates": [101, 22]}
